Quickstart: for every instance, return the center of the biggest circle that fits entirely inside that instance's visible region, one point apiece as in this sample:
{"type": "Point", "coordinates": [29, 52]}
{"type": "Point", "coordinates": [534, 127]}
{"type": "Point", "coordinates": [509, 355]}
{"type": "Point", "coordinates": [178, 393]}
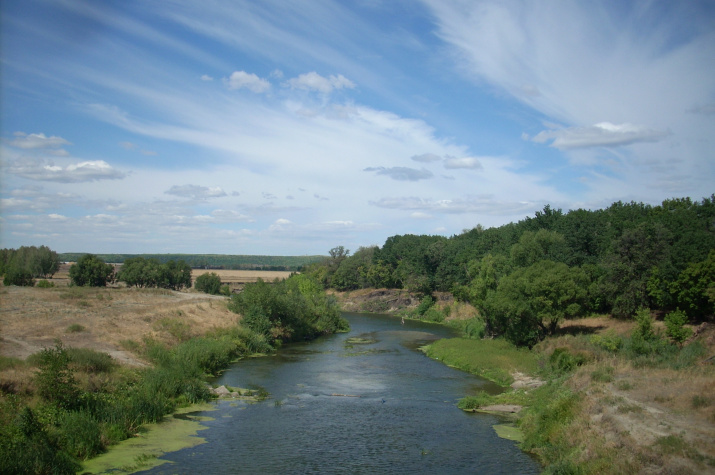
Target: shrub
{"type": "Point", "coordinates": [55, 379]}
{"type": "Point", "coordinates": [91, 361]}
{"type": "Point", "coordinates": [425, 304]}
{"type": "Point", "coordinates": [45, 284]}
{"type": "Point", "coordinates": [18, 276]}
{"type": "Point", "coordinates": [209, 283]}
{"type": "Point", "coordinates": [563, 361]}
{"type": "Point", "coordinates": [674, 326]}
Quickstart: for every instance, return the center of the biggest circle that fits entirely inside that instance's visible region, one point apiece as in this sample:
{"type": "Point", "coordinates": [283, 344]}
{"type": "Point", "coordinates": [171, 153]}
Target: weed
{"type": "Point", "coordinates": [624, 385]}
{"type": "Point", "coordinates": [75, 328]}
{"type": "Point", "coordinates": [603, 374]}
{"type": "Point", "coordinates": [45, 284]}
{"type": "Point", "coordinates": [91, 361]}
{"type": "Point", "coordinates": [699, 401]}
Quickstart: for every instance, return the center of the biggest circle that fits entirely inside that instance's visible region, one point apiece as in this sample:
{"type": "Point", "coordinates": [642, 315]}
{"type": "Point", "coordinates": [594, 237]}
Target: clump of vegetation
{"type": "Point", "coordinates": [21, 266]}
{"type": "Point", "coordinates": [90, 271]}
{"type": "Point", "coordinates": [209, 283]}
{"type": "Point", "coordinates": [675, 326]}
{"type": "Point", "coordinates": [75, 328]}
{"type": "Point", "coordinates": [45, 284]}
{"type": "Point", "coordinates": [150, 273]}
{"type": "Point", "coordinates": [289, 310]}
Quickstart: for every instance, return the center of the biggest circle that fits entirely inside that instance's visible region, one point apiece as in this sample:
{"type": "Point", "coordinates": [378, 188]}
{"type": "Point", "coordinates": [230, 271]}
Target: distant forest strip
{"type": "Point", "coordinates": [212, 261]}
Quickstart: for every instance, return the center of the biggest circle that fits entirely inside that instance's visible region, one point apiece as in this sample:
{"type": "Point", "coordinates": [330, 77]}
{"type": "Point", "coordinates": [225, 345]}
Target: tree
{"type": "Point", "coordinates": [529, 303]}
{"type": "Point", "coordinates": [692, 291]}
{"type": "Point", "coordinates": [90, 271]}
{"type": "Point", "coordinates": [18, 276]}
{"type": "Point", "coordinates": [209, 283]}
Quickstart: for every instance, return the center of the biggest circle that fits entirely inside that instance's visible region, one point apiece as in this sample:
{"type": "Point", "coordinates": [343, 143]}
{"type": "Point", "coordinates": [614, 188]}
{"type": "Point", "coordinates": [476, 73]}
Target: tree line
{"type": "Point", "coordinates": [525, 277]}
{"type": "Point", "coordinates": [22, 266]}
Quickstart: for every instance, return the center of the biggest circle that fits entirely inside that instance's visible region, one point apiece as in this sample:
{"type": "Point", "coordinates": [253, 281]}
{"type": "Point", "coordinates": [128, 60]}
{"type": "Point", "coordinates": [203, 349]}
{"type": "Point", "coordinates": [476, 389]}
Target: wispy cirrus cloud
{"type": "Point", "coordinates": [313, 81]}
{"type": "Point", "coordinates": [603, 134]}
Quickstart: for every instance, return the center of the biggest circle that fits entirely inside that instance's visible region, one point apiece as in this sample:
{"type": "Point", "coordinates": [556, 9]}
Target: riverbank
{"type": "Point", "coordinates": [603, 408]}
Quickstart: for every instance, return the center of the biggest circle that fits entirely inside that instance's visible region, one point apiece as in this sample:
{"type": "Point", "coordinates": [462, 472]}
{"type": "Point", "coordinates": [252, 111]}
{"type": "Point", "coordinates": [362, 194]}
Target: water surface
{"type": "Point", "coordinates": [361, 402]}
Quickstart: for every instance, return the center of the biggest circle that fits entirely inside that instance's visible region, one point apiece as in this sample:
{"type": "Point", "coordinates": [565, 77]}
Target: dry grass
{"type": "Point", "coordinates": [32, 318]}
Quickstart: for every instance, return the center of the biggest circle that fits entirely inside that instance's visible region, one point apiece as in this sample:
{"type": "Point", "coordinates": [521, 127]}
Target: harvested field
{"type": "Point", "coordinates": [237, 278]}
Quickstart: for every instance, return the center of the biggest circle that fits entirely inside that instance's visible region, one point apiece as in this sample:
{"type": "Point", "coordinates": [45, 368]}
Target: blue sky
{"type": "Point", "coordinates": [289, 128]}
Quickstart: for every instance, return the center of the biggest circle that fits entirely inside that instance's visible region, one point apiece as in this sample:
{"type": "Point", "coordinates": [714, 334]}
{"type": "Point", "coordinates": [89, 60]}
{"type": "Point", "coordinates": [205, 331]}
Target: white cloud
{"type": "Point", "coordinates": [43, 170]}
{"type": "Point", "coordinates": [471, 163]}
{"type": "Point", "coordinates": [35, 141]}
{"type": "Point", "coordinates": [313, 81]}
{"type": "Point", "coordinates": [196, 192]}
{"type": "Point", "coordinates": [244, 80]}
{"type": "Point", "coordinates": [603, 134]}
{"type": "Point", "coordinates": [470, 204]}
{"type": "Point", "coordinates": [206, 77]}
{"type": "Point", "coordinates": [402, 173]}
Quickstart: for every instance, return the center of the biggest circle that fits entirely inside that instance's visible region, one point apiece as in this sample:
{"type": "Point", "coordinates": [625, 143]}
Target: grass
{"type": "Point", "coordinates": [494, 360]}
{"type": "Point", "coordinates": [75, 328]}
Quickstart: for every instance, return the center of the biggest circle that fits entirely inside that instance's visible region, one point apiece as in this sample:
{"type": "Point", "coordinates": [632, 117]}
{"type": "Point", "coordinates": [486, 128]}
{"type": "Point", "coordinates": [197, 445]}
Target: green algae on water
{"type": "Point", "coordinates": [176, 432]}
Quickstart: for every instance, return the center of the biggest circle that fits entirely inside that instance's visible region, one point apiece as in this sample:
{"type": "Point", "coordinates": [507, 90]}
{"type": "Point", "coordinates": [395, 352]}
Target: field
{"type": "Point", "coordinates": [237, 278]}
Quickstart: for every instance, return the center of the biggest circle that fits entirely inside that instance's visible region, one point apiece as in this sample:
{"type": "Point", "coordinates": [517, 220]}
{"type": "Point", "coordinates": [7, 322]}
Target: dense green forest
{"type": "Point", "coordinates": [527, 276]}
{"type": "Point", "coordinates": [213, 261]}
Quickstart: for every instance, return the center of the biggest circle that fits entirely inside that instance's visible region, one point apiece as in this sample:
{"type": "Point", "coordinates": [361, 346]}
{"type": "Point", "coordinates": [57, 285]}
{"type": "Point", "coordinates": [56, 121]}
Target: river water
{"type": "Point", "coordinates": [366, 401]}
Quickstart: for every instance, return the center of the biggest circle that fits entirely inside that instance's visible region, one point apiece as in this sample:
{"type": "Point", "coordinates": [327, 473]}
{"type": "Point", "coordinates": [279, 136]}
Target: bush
{"type": "Point", "coordinates": [209, 283]}
{"type": "Point", "coordinates": [45, 284]}
{"type": "Point", "coordinates": [80, 435]}
{"type": "Point", "coordinates": [90, 361]}
{"type": "Point", "coordinates": [563, 361]}
{"type": "Point", "coordinates": [90, 271]}
{"type": "Point", "coordinates": [18, 276]}
{"type": "Point", "coordinates": [674, 326]}
{"type": "Point", "coordinates": [55, 380]}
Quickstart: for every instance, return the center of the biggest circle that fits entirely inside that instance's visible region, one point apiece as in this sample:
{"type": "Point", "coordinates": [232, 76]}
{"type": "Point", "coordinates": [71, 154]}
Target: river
{"type": "Point", "coordinates": [366, 401]}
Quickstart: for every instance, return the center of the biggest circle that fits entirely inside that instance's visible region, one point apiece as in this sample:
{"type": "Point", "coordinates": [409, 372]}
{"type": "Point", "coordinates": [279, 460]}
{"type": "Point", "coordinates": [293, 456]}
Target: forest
{"type": "Point", "coordinates": [526, 277]}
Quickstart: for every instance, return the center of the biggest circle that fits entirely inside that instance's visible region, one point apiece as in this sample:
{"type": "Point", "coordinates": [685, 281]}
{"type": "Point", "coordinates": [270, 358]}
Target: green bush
{"type": "Point", "coordinates": [91, 361]}
{"type": "Point", "coordinates": [563, 361]}
{"type": "Point", "coordinates": [674, 326]}
{"type": "Point", "coordinates": [18, 276]}
{"type": "Point", "coordinates": [55, 379]}
{"type": "Point", "coordinates": [610, 342]}
{"type": "Point", "coordinates": [45, 284]}
{"type": "Point", "coordinates": [209, 283]}
{"type": "Point", "coordinates": [425, 304]}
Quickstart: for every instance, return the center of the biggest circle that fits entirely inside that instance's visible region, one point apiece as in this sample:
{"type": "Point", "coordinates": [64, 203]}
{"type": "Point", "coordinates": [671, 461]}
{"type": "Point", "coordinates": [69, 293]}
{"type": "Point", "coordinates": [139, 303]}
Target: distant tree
{"type": "Point", "coordinates": [18, 276]}
{"type": "Point", "coordinates": [209, 283]}
{"type": "Point", "coordinates": [694, 287]}
{"type": "Point", "coordinates": [90, 271]}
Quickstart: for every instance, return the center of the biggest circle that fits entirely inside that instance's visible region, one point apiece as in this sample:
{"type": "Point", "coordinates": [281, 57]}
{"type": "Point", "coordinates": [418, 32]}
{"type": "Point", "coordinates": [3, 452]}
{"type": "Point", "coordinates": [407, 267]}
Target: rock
{"type": "Point", "coordinates": [221, 391]}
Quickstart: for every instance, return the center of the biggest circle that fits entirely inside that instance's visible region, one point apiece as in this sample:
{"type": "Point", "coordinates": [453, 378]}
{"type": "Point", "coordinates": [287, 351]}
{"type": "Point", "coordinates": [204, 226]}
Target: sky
{"type": "Point", "coordinates": [289, 128]}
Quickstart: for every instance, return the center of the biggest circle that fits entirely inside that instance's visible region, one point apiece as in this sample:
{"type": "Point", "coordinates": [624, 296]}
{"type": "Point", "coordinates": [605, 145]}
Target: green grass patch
{"type": "Point", "coordinates": [494, 360]}
{"type": "Point", "coordinates": [75, 328]}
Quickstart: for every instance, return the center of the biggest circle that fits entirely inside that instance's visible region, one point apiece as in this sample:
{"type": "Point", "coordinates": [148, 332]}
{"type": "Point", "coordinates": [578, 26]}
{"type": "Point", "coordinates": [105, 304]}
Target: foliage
{"type": "Point", "coordinates": [209, 283]}
{"type": "Point", "coordinates": [675, 326]}
{"type": "Point", "coordinates": [289, 310]}
{"type": "Point", "coordinates": [90, 271]}
{"type": "Point", "coordinates": [40, 262]}
{"type": "Point", "coordinates": [45, 284]}
{"type": "Point", "coordinates": [148, 273]}
{"type": "Point", "coordinates": [529, 303]}
{"type": "Point", "coordinates": [55, 379]}
{"type": "Point", "coordinates": [18, 276]}
{"type": "Point", "coordinates": [694, 287]}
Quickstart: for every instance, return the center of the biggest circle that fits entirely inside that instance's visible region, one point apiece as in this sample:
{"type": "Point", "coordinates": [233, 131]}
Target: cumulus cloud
{"type": "Point", "coordinates": [603, 134]}
{"type": "Point", "coordinates": [244, 80]}
{"type": "Point", "coordinates": [402, 173]}
{"type": "Point", "coordinates": [465, 162]}
{"type": "Point", "coordinates": [195, 192]}
{"type": "Point", "coordinates": [313, 81]}
{"type": "Point", "coordinates": [43, 170]}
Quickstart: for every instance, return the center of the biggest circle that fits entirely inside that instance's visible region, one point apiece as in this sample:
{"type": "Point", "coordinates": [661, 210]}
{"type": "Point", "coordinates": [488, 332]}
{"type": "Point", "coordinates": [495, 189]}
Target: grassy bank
{"type": "Point", "coordinates": [613, 401]}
